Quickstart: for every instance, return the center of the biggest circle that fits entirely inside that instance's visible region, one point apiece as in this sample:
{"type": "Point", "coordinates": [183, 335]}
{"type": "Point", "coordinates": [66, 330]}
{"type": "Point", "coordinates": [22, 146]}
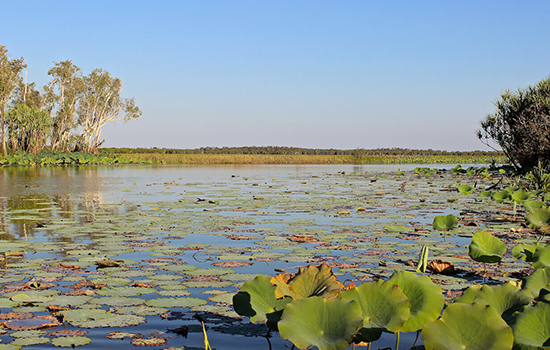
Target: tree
{"type": "Point", "coordinates": [61, 99]}
{"type": "Point", "coordinates": [29, 127]}
{"type": "Point", "coordinates": [521, 125]}
{"type": "Point", "coordinates": [100, 103]}
{"type": "Point", "coordinates": [9, 77]}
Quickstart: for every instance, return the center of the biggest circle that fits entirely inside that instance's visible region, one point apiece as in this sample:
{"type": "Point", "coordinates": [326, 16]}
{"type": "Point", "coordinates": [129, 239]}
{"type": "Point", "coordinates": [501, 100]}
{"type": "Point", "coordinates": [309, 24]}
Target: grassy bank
{"type": "Point", "coordinates": [199, 159]}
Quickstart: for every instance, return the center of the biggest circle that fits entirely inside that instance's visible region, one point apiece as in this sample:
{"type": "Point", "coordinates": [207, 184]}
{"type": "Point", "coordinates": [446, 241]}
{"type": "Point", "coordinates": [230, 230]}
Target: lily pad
{"type": "Point", "coordinates": [465, 189]}
{"type": "Point", "coordinates": [538, 219]}
{"type": "Point", "coordinates": [175, 302]}
{"type": "Point", "coordinates": [70, 342]}
{"type": "Point", "coordinates": [525, 252]}
{"type": "Point", "coordinates": [532, 326]}
{"type": "Point", "coordinates": [486, 248]}
{"type": "Point", "coordinates": [329, 324]}
{"type": "Point", "coordinates": [531, 206]}
{"type": "Point", "coordinates": [426, 298]}
{"type": "Point", "coordinates": [538, 280]}
{"type": "Point", "coordinates": [256, 299]}
{"type": "Point", "coordinates": [445, 222]}
{"type": "Point", "coordinates": [501, 196]}
{"type": "Point", "coordinates": [384, 305]}
{"type": "Point", "coordinates": [308, 281]}
{"type": "Point", "coordinates": [468, 326]}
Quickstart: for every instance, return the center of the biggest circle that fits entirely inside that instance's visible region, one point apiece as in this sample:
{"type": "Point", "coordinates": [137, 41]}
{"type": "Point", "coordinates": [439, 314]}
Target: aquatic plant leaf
{"type": "Point", "coordinates": [256, 299]}
{"type": "Point", "coordinates": [30, 341]}
{"type": "Point", "coordinates": [538, 219]}
{"type": "Point", "coordinates": [175, 302]}
{"type": "Point", "coordinates": [329, 324]}
{"type": "Point", "coordinates": [118, 301]}
{"type": "Point", "coordinates": [141, 310]}
{"type": "Point", "coordinates": [486, 248]}
{"type": "Point", "coordinates": [422, 260]}
{"type": "Point", "coordinates": [542, 257]}
{"type": "Point", "coordinates": [384, 305]}
{"type": "Point", "coordinates": [520, 196]}
{"type": "Point", "coordinates": [396, 228]}
{"type": "Point", "coordinates": [525, 252]}
{"type": "Point", "coordinates": [465, 189]}
{"type": "Point", "coordinates": [538, 280]}
{"type": "Point", "coordinates": [125, 291]}
{"type": "Point", "coordinates": [532, 326]}
{"type": "Point", "coordinates": [95, 318]}
{"type": "Point", "coordinates": [468, 326]}
{"type": "Point", "coordinates": [505, 298]}
{"type": "Point", "coordinates": [71, 342]}
{"type": "Point", "coordinates": [425, 297]}
{"type": "Point", "coordinates": [28, 299]}
{"type": "Point", "coordinates": [308, 281]}
{"type": "Point", "coordinates": [486, 194]}
{"type": "Point", "coordinates": [445, 222]}
{"type": "Point", "coordinates": [534, 205]}
{"type": "Point", "coordinates": [10, 347]}
{"type": "Point", "coordinates": [501, 196]}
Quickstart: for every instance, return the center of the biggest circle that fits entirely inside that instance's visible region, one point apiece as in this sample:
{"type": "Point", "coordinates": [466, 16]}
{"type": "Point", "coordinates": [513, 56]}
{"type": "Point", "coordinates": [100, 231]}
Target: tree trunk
{"type": "Point", "coordinates": [3, 136]}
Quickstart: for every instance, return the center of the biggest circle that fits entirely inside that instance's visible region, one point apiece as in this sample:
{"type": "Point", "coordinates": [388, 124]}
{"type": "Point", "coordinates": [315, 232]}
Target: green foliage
{"type": "Point", "coordinates": [468, 326]}
{"type": "Point", "coordinates": [501, 196]}
{"type": "Point", "coordinates": [538, 219]}
{"type": "Point", "coordinates": [533, 205]}
{"type": "Point", "coordinates": [425, 297]}
{"type": "Point", "coordinates": [465, 189]}
{"type": "Point", "coordinates": [329, 324]}
{"type": "Point", "coordinates": [445, 222]}
{"type": "Point", "coordinates": [520, 124]}
{"type": "Point", "coordinates": [309, 281]}
{"type": "Point", "coordinates": [532, 326]}
{"type": "Point", "coordinates": [422, 260]}
{"type": "Point", "coordinates": [486, 248]}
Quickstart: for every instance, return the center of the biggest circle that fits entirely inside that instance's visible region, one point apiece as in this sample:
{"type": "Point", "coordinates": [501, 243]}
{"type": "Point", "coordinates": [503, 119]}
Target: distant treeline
{"type": "Point", "coordinates": [279, 150]}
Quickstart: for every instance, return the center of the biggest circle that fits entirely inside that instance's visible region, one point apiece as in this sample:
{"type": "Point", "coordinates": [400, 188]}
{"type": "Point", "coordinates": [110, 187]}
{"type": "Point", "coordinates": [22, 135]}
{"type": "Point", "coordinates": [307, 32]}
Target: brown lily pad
{"type": "Point", "coordinates": [107, 263]}
{"type": "Point", "coordinates": [36, 322]}
{"type": "Point", "coordinates": [232, 263]}
{"type": "Point", "coordinates": [151, 341]}
{"type": "Point", "coordinates": [441, 267]}
{"type": "Point", "coordinates": [123, 335]}
{"type": "Point", "coordinates": [68, 333]}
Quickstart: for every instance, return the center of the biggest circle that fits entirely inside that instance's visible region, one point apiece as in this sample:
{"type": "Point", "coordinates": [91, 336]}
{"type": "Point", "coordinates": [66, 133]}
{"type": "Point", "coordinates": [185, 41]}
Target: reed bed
{"type": "Point", "coordinates": [206, 159]}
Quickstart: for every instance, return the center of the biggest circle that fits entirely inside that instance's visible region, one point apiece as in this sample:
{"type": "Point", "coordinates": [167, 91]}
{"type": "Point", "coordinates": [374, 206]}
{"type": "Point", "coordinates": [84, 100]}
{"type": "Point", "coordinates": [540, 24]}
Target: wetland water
{"type": "Point", "coordinates": [186, 238]}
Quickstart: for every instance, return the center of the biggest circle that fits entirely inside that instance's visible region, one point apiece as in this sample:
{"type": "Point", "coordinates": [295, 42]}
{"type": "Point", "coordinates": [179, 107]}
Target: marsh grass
{"type": "Point", "coordinates": [160, 158]}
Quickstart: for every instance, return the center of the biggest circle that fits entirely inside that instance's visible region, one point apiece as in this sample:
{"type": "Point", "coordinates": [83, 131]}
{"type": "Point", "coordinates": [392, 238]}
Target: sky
{"type": "Point", "coordinates": [315, 74]}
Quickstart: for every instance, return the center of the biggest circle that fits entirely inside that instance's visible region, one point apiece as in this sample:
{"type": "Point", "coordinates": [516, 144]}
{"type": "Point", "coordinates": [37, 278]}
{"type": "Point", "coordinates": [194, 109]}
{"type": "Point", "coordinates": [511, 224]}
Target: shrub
{"type": "Point", "coordinates": [521, 125]}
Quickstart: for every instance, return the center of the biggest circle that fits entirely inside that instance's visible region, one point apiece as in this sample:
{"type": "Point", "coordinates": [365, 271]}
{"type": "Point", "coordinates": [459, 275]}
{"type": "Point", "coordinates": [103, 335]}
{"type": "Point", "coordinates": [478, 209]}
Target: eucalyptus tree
{"type": "Point", "coordinates": [61, 97]}
{"type": "Point", "coordinates": [10, 71]}
{"type": "Point", "coordinates": [100, 103]}
{"type": "Point", "coordinates": [29, 127]}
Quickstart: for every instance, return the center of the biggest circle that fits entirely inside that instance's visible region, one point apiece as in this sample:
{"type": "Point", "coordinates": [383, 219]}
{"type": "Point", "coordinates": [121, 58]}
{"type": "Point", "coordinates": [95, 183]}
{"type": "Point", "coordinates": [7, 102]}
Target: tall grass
{"type": "Point", "coordinates": [206, 159]}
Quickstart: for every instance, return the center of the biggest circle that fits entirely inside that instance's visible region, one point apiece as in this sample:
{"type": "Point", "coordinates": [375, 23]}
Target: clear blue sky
{"type": "Point", "coordinates": [340, 74]}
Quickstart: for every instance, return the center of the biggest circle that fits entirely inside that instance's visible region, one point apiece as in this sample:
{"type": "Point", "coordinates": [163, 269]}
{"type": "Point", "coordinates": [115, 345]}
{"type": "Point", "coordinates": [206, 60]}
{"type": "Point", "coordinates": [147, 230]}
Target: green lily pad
{"type": "Point", "coordinates": [70, 342]}
{"type": "Point", "coordinates": [256, 299]}
{"type": "Point", "coordinates": [396, 228]}
{"type": "Point", "coordinates": [468, 326]}
{"type": "Point", "coordinates": [520, 196]}
{"type": "Point", "coordinates": [426, 298]}
{"type": "Point", "coordinates": [531, 206]}
{"type": "Point", "coordinates": [505, 298]}
{"type": "Point", "coordinates": [329, 324]}
{"type": "Point", "coordinates": [141, 310]}
{"type": "Point", "coordinates": [175, 302]}
{"type": "Point", "coordinates": [95, 318]}
{"type": "Point", "coordinates": [465, 189]}
{"type": "Point", "coordinates": [486, 248]}
{"type": "Point", "coordinates": [501, 196]}
{"type": "Point", "coordinates": [525, 252]}
{"type": "Point", "coordinates": [445, 222]}
{"type": "Point", "coordinates": [118, 301]}
{"type": "Point", "coordinates": [125, 291]}
{"type": "Point", "coordinates": [384, 305]}
{"type": "Point", "coordinates": [538, 280]}
{"type": "Point", "coordinates": [532, 326]}
{"type": "Point", "coordinates": [30, 341]}
{"type": "Point", "coordinates": [538, 219]}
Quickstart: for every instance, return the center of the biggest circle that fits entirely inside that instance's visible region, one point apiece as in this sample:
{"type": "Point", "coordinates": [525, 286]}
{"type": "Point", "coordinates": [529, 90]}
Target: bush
{"type": "Point", "coordinates": [521, 125]}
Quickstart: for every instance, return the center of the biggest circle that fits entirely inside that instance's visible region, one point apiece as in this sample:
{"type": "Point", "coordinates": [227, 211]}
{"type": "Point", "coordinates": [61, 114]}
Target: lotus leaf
{"type": "Point", "coordinates": [525, 252]}
{"type": "Point", "coordinates": [520, 196]}
{"type": "Point", "coordinates": [426, 298]}
{"type": "Point", "coordinates": [396, 228]}
{"type": "Point", "coordinates": [486, 194]}
{"type": "Point", "coordinates": [125, 291]}
{"type": "Point", "coordinates": [175, 302]}
{"type": "Point", "coordinates": [141, 310]}
{"type": "Point", "coordinates": [468, 326]}
{"type": "Point", "coordinates": [505, 298]}
{"type": "Point", "coordinates": [465, 189]}
{"type": "Point", "coordinates": [445, 222]}
{"type": "Point", "coordinates": [94, 318]}
{"type": "Point", "coordinates": [308, 281]}
{"type": "Point", "coordinates": [118, 301]}
{"type": "Point", "coordinates": [70, 342]}
{"type": "Point", "coordinates": [501, 196]}
{"type": "Point", "coordinates": [29, 299]}
{"type": "Point", "coordinates": [384, 305]}
{"type": "Point", "coordinates": [532, 326]}
{"type": "Point", "coordinates": [28, 334]}
{"type": "Point", "coordinates": [10, 347]}
{"type": "Point", "coordinates": [329, 324]}
{"type": "Point", "coordinates": [256, 299]}
{"type": "Point", "coordinates": [30, 341]}
{"type": "Point", "coordinates": [534, 205]}
{"type": "Point", "coordinates": [486, 248]}
{"type": "Point", "coordinates": [538, 219]}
